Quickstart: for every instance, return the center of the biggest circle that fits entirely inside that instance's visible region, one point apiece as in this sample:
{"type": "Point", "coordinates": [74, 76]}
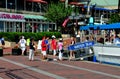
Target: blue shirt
{"type": "Point", "coordinates": [47, 42]}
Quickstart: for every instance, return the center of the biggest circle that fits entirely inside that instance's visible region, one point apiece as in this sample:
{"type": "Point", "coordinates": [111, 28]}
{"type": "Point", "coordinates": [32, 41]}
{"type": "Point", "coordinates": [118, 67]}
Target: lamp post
{"type": "Point", "coordinates": [74, 17]}
{"type": "Point", "coordinates": [11, 6]}
{"type": "Point", "coordinates": [6, 4]}
{"type": "Point", "coordinates": [93, 10]}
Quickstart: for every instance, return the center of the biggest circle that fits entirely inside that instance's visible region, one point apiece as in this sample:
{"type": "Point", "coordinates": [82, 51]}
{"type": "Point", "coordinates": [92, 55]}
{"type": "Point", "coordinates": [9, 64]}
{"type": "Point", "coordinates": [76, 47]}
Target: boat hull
{"type": "Point", "coordinates": [107, 54]}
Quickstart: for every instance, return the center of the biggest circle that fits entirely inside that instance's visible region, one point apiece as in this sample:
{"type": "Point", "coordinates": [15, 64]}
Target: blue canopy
{"type": "Point", "coordinates": [102, 27]}
{"type": "Point", "coordinates": [102, 9]}
{"type": "Point", "coordinates": [111, 26]}
{"type": "Point", "coordinates": [93, 27]}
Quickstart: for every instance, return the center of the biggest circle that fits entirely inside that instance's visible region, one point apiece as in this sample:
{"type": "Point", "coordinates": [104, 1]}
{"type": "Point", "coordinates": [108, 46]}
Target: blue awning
{"type": "Point", "coordinates": [111, 26]}
{"type": "Point", "coordinates": [102, 9]}
{"type": "Point", "coordinates": [92, 27]}
{"type": "Point", "coordinates": [101, 27]}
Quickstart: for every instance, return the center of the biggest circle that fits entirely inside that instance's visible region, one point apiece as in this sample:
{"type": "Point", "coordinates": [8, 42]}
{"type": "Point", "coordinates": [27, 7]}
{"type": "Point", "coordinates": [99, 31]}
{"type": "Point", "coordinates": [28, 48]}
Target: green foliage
{"type": "Point", "coordinates": [57, 12]}
{"type": "Point", "coordinates": [114, 18]}
{"type": "Point", "coordinates": [10, 36]}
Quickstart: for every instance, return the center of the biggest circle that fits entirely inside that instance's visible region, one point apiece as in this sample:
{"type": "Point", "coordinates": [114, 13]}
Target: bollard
{"type": "Point", "coordinates": [94, 58]}
{"type": "Point", "coordinates": [1, 52]}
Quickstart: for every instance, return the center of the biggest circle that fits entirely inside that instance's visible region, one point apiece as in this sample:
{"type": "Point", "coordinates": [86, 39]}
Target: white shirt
{"type": "Point", "coordinates": [22, 42]}
{"type": "Point", "coordinates": [39, 44]}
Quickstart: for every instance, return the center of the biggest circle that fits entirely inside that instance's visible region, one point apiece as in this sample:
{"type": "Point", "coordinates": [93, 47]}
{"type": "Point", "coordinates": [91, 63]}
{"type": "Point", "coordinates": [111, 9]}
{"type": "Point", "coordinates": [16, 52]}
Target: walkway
{"type": "Point", "coordinates": [18, 67]}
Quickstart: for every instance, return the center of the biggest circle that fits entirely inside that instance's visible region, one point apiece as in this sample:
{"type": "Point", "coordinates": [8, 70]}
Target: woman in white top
{"type": "Point", "coordinates": [22, 44]}
{"type": "Point", "coordinates": [39, 46]}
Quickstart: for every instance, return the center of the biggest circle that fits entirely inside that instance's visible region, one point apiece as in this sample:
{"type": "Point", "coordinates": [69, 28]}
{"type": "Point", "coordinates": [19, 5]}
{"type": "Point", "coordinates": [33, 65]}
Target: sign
{"type": "Point", "coordinates": [11, 16]}
{"type": "Point", "coordinates": [79, 45]}
{"type": "Point", "coordinates": [91, 20]}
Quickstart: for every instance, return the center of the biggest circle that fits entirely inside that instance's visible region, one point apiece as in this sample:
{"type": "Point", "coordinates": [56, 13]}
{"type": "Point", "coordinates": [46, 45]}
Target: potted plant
{"type": "Point", "coordinates": [16, 50]}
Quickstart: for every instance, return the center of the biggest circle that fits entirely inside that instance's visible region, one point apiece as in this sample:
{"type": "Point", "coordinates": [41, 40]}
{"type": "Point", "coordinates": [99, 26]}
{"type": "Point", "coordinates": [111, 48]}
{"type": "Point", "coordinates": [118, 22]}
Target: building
{"type": "Point", "coordinates": [99, 9]}
{"type": "Point", "coordinates": [28, 15]}
{"type": "Point", "coordinates": [24, 16]}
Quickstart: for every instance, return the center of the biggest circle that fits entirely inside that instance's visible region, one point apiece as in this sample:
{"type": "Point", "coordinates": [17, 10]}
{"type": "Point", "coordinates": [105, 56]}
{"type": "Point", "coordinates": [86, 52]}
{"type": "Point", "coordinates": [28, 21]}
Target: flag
{"type": "Point", "coordinates": [65, 22]}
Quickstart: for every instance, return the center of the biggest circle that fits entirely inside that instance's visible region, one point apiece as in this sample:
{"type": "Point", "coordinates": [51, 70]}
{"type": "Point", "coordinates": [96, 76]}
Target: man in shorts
{"type": "Point", "coordinates": [44, 48]}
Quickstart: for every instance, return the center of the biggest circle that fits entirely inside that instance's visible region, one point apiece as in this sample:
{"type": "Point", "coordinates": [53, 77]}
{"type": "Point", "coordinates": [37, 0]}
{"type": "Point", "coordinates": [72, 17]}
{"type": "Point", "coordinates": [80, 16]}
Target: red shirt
{"type": "Point", "coordinates": [43, 45]}
{"type": "Point", "coordinates": [54, 44]}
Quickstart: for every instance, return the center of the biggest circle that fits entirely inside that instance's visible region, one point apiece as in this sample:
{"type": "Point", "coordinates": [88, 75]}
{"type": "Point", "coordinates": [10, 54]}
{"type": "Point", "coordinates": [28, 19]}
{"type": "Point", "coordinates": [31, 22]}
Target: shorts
{"type": "Point", "coordinates": [44, 53]}
{"type": "Point", "coordinates": [23, 48]}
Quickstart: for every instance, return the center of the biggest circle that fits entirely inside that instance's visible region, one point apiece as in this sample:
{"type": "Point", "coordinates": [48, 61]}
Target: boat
{"type": "Point", "coordinates": [109, 54]}
{"type": "Point", "coordinates": [106, 53]}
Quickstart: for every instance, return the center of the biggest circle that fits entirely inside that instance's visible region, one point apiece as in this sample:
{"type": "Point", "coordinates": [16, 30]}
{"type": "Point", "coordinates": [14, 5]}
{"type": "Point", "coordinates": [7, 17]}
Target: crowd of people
{"type": "Point", "coordinates": [45, 46]}
{"type": "Point", "coordinates": [42, 46]}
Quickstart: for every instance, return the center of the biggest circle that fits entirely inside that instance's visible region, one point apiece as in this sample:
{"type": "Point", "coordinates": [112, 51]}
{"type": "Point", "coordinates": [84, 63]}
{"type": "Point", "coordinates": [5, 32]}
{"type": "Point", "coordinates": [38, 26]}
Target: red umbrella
{"type": "Point", "coordinates": [39, 1]}
{"type": "Point", "coordinates": [62, 0]}
{"type": "Point", "coordinates": [76, 3]}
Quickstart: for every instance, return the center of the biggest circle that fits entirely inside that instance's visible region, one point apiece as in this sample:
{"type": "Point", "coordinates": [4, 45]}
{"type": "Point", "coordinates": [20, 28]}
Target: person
{"type": "Point", "coordinates": [86, 48]}
{"type": "Point", "coordinates": [16, 40]}
{"type": "Point", "coordinates": [35, 28]}
{"type": "Point", "coordinates": [44, 48]}
{"type": "Point", "coordinates": [39, 45]}
{"type": "Point", "coordinates": [78, 37]}
{"type": "Point", "coordinates": [54, 47]}
{"type": "Point", "coordinates": [71, 51]}
{"type": "Point", "coordinates": [107, 42]}
{"type": "Point", "coordinates": [60, 48]}
{"type": "Point", "coordinates": [18, 27]}
{"type": "Point", "coordinates": [116, 40]}
{"type": "Point", "coordinates": [31, 49]}
{"type": "Point", "coordinates": [48, 45]}
{"type": "Point", "coordinates": [2, 41]}
{"type": "Point", "coordinates": [28, 44]}
{"type": "Point", "coordinates": [22, 43]}
{"type": "Point", "coordinates": [28, 27]}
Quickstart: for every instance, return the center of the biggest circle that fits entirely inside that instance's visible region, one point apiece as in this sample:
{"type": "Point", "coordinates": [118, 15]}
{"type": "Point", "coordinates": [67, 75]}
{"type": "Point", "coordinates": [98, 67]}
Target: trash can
{"type": "Point", "coordinates": [94, 58]}
{"type": "Point", "coordinates": [17, 51]}
{"type": "Point", "coordinates": [1, 52]}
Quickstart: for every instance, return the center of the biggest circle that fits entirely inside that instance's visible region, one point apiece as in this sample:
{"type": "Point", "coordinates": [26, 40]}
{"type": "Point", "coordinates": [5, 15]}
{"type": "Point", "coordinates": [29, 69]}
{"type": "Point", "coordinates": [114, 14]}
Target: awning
{"type": "Point", "coordinates": [101, 27]}
{"type": "Point", "coordinates": [76, 3]}
{"type": "Point", "coordinates": [39, 1]}
{"type": "Point", "coordinates": [89, 27]}
{"type": "Point", "coordinates": [62, 0]}
{"type": "Point", "coordinates": [103, 9]}
{"type": "Point", "coordinates": [27, 16]}
{"type": "Point", "coordinates": [111, 26]}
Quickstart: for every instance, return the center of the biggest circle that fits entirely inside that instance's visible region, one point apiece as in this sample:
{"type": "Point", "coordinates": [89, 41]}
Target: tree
{"type": "Point", "coordinates": [114, 18]}
{"type": "Point", "coordinates": [57, 12]}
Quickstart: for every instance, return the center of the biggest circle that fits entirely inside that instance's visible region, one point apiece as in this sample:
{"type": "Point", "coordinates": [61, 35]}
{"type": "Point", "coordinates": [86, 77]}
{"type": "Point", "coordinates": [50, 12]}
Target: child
{"type": "Point", "coordinates": [60, 48]}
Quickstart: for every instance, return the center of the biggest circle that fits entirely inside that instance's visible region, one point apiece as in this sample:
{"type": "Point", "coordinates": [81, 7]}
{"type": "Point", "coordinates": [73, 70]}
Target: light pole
{"type": "Point", "coordinates": [66, 3]}
{"type": "Point", "coordinates": [74, 17]}
{"type": "Point", "coordinates": [11, 6]}
{"type": "Point", "coordinates": [93, 10]}
{"type": "Point", "coordinates": [6, 4]}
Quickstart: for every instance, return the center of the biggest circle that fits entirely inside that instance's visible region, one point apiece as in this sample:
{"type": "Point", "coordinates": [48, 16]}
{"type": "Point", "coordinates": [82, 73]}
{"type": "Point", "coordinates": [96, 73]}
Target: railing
{"type": "Point", "coordinates": [21, 11]}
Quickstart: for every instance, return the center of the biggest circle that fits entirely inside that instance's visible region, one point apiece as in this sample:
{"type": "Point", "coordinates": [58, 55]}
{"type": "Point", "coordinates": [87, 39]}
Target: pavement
{"type": "Point", "coordinates": [19, 67]}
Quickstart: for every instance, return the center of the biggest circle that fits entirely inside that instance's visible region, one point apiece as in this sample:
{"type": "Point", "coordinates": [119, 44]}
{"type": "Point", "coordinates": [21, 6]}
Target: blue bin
{"type": "Point", "coordinates": [94, 58]}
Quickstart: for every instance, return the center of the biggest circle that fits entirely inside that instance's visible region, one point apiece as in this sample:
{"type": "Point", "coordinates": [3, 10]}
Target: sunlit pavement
{"type": "Point", "coordinates": [19, 67]}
